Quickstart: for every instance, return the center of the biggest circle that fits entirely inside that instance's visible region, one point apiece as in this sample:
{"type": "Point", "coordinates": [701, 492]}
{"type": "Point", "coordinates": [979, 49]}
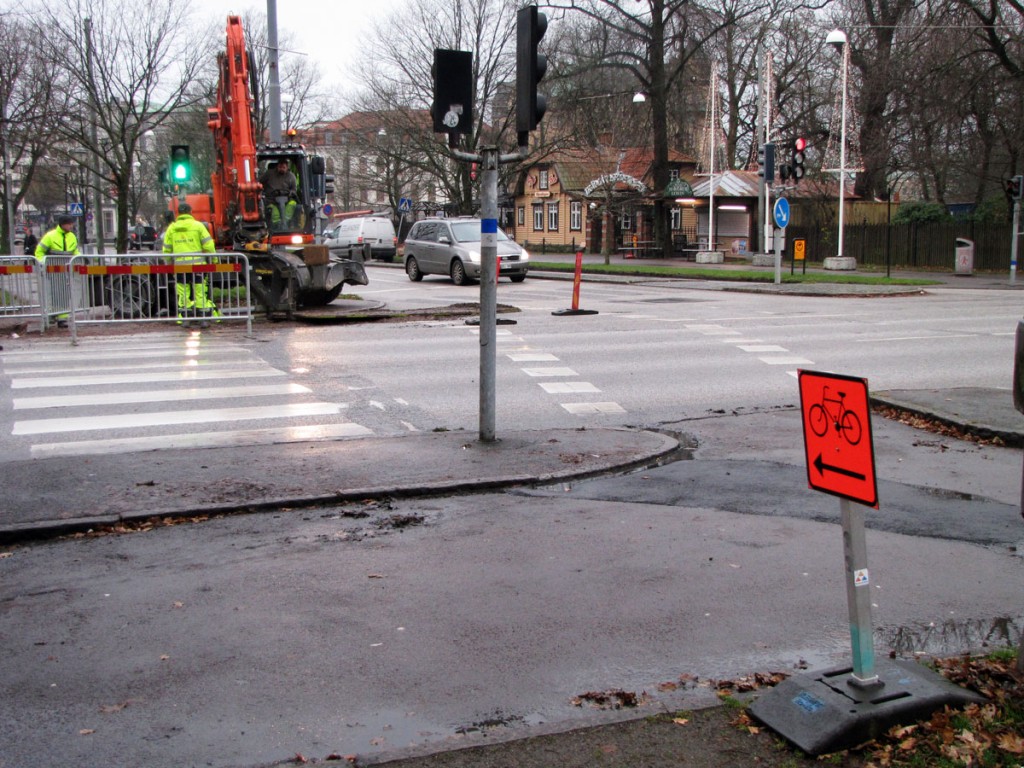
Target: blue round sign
{"type": "Point", "coordinates": [781, 212]}
{"type": "Point", "coordinates": [327, 209]}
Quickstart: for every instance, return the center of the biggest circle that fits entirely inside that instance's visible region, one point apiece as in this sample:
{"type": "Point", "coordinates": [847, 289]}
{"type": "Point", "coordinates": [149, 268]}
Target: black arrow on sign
{"type": "Point", "coordinates": [821, 466]}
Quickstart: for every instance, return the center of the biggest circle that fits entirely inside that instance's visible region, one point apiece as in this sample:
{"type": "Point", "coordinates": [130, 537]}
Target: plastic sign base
{"type": "Point", "coordinates": [570, 312]}
{"type": "Point", "coordinates": [497, 321]}
{"type": "Point", "coordinates": [823, 712]}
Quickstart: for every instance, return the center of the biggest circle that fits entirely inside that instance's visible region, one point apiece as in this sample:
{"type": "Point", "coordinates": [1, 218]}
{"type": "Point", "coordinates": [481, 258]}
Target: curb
{"type": "Point", "coordinates": [47, 529]}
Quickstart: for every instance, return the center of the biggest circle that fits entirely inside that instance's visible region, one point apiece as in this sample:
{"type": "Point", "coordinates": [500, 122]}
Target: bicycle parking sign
{"type": "Point", "coordinates": [836, 415]}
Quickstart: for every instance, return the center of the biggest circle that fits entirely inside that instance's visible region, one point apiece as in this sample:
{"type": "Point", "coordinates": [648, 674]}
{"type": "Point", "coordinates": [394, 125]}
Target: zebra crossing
{"type": "Point", "coordinates": [160, 391]}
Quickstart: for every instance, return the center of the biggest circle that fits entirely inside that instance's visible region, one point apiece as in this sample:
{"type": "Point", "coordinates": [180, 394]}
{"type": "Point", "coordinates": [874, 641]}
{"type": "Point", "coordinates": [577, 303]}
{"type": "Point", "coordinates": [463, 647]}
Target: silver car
{"type": "Point", "coordinates": [452, 247]}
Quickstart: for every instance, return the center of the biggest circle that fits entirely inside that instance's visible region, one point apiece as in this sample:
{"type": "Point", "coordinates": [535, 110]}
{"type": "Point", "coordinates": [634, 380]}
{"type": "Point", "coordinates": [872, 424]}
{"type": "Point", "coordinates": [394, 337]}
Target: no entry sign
{"type": "Point", "coordinates": [837, 436]}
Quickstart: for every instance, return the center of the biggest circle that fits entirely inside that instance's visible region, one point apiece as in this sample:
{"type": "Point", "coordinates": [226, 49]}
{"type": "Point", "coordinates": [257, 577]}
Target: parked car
{"type": "Point", "coordinates": [142, 236]}
{"type": "Point", "coordinates": [367, 236]}
{"type": "Point", "coordinates": [452, 247]}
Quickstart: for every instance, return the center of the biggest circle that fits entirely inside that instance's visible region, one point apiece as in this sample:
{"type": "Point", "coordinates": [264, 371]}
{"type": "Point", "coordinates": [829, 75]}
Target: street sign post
{"type": "Point", "coordinates": [836, 417]}
{"type": "Point", "coordinates": [780, 212]}
{"type": "Point", "coordinates": [836, 709]}
{"type": "Point", "coordinates": [76, 209]}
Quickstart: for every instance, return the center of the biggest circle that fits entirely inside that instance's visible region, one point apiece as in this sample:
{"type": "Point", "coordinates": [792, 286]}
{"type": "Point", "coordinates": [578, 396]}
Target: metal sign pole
{"type": "Point", "coordinates": [858, 594]}
{"type": "Point", "coordinates": [488, 289]}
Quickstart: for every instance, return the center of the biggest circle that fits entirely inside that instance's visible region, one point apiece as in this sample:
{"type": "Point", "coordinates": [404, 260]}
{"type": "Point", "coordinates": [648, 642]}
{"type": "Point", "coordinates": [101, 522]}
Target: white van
{"type": "Point", "coordinates": [367, 237]}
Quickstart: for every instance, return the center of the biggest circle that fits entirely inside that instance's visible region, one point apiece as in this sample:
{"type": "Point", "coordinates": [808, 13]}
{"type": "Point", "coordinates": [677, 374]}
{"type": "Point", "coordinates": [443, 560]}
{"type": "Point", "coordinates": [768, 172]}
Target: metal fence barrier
{"type": "Point", "coordinates": [21, 288]}
{"type": "Point", "coordinates": [187, 289]}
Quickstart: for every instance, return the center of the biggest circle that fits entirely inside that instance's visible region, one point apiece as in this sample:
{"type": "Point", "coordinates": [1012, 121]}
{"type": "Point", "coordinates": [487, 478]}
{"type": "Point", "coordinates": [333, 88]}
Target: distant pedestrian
{"type": "Point", "coordinates": [31, 241]}
{"type": "Point", "coordinates": [59, 241]}
{"type": "Point", "coordinates": [191, 239]}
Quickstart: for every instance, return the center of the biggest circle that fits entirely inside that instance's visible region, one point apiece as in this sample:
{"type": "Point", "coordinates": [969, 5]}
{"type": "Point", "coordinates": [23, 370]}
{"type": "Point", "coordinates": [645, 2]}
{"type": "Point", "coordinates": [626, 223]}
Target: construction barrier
{"type": "Point", "coordinates": [187, 289]}
{"type": "Point", "coordinates": [21, 288]}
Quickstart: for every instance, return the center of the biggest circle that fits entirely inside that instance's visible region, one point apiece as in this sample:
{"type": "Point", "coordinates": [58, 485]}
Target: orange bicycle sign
{"type": "Point", "coordinates": [837, 436]}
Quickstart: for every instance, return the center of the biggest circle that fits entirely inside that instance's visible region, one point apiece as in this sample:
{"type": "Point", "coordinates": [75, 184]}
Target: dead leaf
{"type": "Point", "coordinates": [608, 749]}
{"type": "Point", "coordinates": [299, 758]}
{"type": "Point", "coordinates": [178, 604]}
{"type": "Point", "coordinates": [87, 732]}
{"type": "Point", "coordinates": [109, 709]}
{"type": "Point", "coordinates": [1012, 743]}
{"type": "Point", "coordinates": [667, 686]}
{"type": "Point", "coordinates": [680, 720]}
{"type": "Point", "coordinates": [164, 657]}
{"type": "Point", "coordinates": [5, 554]}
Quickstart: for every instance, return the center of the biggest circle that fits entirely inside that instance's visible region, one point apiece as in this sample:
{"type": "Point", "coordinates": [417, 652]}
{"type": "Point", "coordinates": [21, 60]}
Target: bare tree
{"type": "Point", "coordinates": [307, 100]}
{"type": "Point", "coordinates": [397, 81]}
{"type": "Point", "coordinates": [133, 69]}
{"type": "Point", "coordinates": [28, 105]}
{"type": "Point", "coordinates": [655, 41]}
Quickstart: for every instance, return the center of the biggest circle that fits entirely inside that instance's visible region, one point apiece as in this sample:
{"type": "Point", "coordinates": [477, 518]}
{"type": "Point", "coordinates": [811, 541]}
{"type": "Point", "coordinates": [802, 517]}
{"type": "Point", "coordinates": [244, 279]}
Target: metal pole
{"type": "Point", "coordinates": [842, 148]}
{"type": "Point", "coordinates": [8, 207]}
{"type": "Point", "coordinates": [1014, 241]}
{"type": "Point", "coordinates": [711, 169]}
{"type": "Point", "coordinates": [488, 289]}
{"type": "Point", "coordinates": [274, 80]}
{"type": "Point", "coordinates": [858, 594]}
{"type": "Point", "coordinates": [94, 138]}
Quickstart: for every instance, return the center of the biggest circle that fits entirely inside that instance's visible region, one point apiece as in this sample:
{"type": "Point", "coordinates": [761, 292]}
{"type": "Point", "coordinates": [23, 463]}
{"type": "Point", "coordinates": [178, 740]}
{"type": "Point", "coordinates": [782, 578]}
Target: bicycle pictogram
{"type": "Point", "coordinates": [832, 411]}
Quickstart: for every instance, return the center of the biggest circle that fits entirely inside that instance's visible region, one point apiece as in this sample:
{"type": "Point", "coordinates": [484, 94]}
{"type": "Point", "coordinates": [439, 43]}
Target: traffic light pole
{"type": "Point", "coordinates": [489, 159]}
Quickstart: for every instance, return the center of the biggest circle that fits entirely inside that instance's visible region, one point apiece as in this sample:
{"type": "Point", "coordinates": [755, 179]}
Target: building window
{"type": "Point", "coordinates": [538, 218]}
{"type": "Point", "coordinates": [677, 218]}
{"type": "Point", "coordinates": [542, 178]}
{"type": "Point", "coordinates": [575, 215]}
{"type": "Point", "coordinates": [329, 138]}
{"type": "Point", "coordinates": [627, 221]}
{"type": "Point", "coordinates": [552, 217]}
{"type": "Point", "coordinates": [521, 216]}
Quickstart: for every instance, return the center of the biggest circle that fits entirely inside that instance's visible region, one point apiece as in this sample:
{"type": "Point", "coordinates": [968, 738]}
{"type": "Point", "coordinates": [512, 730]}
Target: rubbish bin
{"type": "Point", "coordinates": [964, 256]}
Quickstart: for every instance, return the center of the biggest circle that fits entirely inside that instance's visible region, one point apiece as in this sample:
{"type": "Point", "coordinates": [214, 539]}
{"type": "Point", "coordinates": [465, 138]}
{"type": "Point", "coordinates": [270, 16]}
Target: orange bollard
{"type": "Point", "coordinates": [577, 278]}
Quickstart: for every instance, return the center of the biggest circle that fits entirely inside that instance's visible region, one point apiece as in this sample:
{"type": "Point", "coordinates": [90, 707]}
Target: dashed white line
{"type": "Point", "coordinates": [561, 387]}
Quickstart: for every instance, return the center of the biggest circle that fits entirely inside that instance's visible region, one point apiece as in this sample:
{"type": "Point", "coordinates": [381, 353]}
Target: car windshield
{"type": "Point", "coordinates": [469, 232]}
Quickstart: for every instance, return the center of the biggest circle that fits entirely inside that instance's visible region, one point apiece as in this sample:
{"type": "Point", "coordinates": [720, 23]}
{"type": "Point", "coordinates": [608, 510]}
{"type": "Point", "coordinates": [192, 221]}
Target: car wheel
{"type": "Point", "coordinates": [517, 278]}
{"type": "Point", "coordinates": [458, 273]}
{"type": "Point", "coordinates": [412, 269]}
{"type": "Point", "coordinates": [130, 297]}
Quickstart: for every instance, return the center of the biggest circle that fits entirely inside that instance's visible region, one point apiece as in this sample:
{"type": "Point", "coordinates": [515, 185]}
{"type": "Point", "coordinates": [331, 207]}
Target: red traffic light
{"type": "Point", "coordinates": [799, 144]}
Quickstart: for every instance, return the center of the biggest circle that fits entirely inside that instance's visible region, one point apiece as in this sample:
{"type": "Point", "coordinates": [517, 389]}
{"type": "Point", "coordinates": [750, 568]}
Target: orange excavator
{"type": "Point", "coordinates": [278, 233]}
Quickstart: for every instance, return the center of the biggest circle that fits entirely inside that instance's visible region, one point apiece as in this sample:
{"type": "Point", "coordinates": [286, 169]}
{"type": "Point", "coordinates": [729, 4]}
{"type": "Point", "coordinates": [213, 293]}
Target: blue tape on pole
{"type": "Point", "coordinates": [489, 226]}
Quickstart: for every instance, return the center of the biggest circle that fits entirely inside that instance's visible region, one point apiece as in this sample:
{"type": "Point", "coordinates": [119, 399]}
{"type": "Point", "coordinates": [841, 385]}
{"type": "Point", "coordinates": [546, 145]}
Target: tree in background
{"type": "Point", "coordinates": [29, 106]}
{"type": "Point", "coordinates": [136, 69]}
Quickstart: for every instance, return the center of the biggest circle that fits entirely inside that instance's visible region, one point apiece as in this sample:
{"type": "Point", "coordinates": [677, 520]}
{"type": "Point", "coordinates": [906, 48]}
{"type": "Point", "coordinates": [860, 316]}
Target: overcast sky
{"type": "Point", "coordinates": [327, 30]}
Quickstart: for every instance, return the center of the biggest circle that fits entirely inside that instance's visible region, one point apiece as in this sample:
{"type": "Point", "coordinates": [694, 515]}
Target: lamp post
{"type": "Point", "coordinates": [837, 39]}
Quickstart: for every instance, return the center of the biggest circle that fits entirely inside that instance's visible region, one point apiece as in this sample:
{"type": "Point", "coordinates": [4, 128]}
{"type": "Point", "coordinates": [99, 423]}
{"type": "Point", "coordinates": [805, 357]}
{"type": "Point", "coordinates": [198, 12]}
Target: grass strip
{"type": "Point", "coordinates": [734, 275]}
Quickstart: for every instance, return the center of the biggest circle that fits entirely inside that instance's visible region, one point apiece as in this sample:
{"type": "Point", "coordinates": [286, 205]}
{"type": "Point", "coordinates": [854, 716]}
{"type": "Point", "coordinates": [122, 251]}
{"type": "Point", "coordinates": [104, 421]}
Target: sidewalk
{"type": "Point", "coordinates": [59, 496]}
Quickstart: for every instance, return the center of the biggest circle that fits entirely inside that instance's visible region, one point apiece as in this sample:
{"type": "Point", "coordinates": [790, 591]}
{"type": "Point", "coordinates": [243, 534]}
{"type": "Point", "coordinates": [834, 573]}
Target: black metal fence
{"type": "Point", "coordinates": [925, 246]}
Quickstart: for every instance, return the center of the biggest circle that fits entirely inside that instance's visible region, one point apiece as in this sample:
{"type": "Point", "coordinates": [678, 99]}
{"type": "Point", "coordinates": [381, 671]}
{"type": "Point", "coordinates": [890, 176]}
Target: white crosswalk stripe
{"type": "Point", "coordinates": [123, 396]}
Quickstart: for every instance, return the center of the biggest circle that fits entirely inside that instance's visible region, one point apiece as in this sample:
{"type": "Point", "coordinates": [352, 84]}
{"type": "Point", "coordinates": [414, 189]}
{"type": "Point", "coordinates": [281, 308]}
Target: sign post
{"type": "Point", "coordinates": [841, 461]}
{"type": "Point", "coordinates": [780, 211]}
{"type": "Point", "coordinates": [834, 709]}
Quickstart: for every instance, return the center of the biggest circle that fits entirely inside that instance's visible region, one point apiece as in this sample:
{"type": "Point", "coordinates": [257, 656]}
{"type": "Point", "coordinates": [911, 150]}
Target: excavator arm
{"type": "Point", "coordinates": [238, 216]}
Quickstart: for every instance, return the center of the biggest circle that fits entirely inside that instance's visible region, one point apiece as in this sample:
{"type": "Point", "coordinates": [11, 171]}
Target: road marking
{"type": "Point", "coordinates": [161, 418]}
{"type": "Point", "coordinates": [531, 357]}
{"type": "Point", "coordinates": [84, 380]}
{"type": "Point", "coordinates": [232, 438]}
{"type": "Point", "coordinates": [587, 408]}
{"type": "Point", "coordinates": [786, 360]}
{"type": "Point", "coordinates": [549, 372]}
{"type": "Point", "coordinates": [713, 330]}
{"type": "Point", "coordinates": [920, 338]}
{"type": "Point", "coordinates": [762, 348]}
{"type": "Point", "coordinates": [158, 396]}
{"type": "Point", "coordinates": [560, 387]}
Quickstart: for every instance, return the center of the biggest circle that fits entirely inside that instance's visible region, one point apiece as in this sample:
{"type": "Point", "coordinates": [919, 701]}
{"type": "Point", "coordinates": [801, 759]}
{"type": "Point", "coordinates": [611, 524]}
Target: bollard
{"type": "Point", "coordinates": [576, 292]}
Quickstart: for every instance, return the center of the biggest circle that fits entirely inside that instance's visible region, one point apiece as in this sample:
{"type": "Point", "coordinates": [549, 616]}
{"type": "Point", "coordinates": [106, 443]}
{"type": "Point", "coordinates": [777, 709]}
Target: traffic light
{"type": "Point", "coordinates": [472, 172]}
{"type": "Point", "coordinates": [329, 184]}
{"type": "Point", "coordinates": [452, 109]}
{"type": "Point", "coordinates": [181, 165]}
{"type": "Point", "coordinates": [530, 69]}
{"type": "Point", "coordinates": [797, 159]}
{"type": "Point", "coordinates": [766, 159]}
{"type": "Point", "coordinates": [1015, 187]}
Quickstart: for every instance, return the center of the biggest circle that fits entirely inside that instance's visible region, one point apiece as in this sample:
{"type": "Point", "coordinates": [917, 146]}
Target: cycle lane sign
{"type": "Point", "coordinates": [836, 415]}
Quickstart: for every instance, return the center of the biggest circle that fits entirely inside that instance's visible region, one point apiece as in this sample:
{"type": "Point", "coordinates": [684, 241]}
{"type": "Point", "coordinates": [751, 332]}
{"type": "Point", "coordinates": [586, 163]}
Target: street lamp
{"type": "Point", "coordinates": [837, 39]}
